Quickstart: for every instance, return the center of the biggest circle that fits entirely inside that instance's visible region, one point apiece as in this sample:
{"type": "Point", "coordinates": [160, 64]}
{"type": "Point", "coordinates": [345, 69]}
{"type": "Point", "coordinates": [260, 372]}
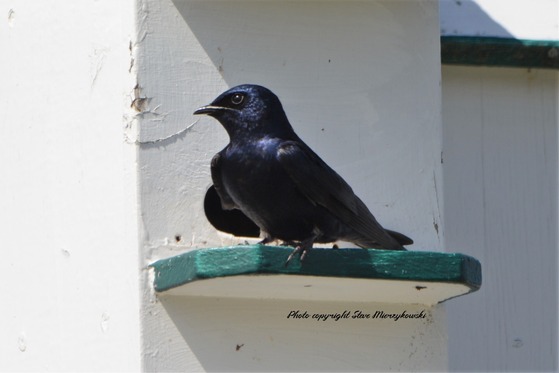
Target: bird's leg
{"type": "Point", "coordinates": [302, 248]}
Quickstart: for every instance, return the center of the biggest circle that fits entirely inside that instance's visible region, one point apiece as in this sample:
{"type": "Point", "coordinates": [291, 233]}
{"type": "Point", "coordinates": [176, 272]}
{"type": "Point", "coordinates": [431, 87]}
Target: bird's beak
{"type": "Point", "coordinates": [208, 109]}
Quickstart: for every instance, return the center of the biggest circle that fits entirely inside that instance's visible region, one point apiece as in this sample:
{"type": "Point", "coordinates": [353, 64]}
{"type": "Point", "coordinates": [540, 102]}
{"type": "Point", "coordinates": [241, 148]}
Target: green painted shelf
{"type": "Point", "coordinates": [257, 271]}
{"type": "Point", "coordinates": [504, 52]}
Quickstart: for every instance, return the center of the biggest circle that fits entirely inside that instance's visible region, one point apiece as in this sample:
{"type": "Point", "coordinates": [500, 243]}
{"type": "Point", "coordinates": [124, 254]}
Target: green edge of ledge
{"type": "Point", "coordinates": [350, 263]}
{"type": "Point", "coordinates": [494, 51]}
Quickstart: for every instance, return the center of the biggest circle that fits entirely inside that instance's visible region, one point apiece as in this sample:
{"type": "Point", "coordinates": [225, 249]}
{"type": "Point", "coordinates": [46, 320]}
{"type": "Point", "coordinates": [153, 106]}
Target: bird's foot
{"type": "Point", "coordinates": [298, 250]}
{"type": "Point", "coordinates": [302, 249]}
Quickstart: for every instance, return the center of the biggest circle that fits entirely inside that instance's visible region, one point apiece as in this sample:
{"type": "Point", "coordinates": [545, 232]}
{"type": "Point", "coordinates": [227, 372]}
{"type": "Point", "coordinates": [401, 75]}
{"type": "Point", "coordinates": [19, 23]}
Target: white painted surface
{"type": "Point", "coordinates": [318, 288]}
{"type": "Point", "coordinates": [360, 82]}
{"type": "Point", "coordinates": [500, 176]}
{"type": "Point", "coordinates": [343, 88]}
{"type": "Point", "coordinates": [521, 19]}
{"type": "Point", "coordinates": [94, 170]}
{"type": "Point", "coordinates": [220, 334]}
{"type": "Point", "coordinates": [70, 265]}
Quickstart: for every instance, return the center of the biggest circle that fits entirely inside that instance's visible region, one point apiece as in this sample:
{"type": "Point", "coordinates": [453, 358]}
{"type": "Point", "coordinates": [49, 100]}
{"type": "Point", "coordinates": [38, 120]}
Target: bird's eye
{"type": "Point", "coordinates": [237, 98]}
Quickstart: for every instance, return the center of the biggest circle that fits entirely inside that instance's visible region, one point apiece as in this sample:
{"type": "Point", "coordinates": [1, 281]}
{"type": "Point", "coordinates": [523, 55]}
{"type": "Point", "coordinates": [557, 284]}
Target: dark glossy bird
{"type": "Point", "coordinates": [275, 179]}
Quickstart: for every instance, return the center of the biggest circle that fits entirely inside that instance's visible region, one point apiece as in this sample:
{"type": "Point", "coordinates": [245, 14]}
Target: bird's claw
{"type": "Point", "coordinates": [301, 250]}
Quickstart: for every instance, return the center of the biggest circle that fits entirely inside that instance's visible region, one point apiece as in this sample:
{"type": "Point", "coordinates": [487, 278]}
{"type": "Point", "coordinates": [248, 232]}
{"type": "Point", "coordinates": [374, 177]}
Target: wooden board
{"type": "Point", "coordinates": [258, 271]}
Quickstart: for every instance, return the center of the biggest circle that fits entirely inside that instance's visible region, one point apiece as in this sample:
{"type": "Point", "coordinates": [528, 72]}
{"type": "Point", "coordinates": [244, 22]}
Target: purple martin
{"type": "Point", "coordinates": [284, 187]}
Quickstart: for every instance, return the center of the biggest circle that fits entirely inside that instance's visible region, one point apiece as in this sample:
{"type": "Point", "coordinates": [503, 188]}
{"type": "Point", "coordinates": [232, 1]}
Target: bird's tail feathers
{"type": "Point", "coordinates": [402, 239]}
{"type": "Point", "coordinates": [375, 245]}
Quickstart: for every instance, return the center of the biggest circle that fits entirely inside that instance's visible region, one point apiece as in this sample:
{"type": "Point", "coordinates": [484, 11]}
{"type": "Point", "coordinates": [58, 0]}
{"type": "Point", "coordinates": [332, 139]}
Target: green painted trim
{"type": "Point", "coordinates": [491, 51]}
{"type": "Point", "coordinates": [357, 263]}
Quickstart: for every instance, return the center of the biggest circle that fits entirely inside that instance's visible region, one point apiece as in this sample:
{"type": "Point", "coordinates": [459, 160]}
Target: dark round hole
{"type": "Point", "coordinates": [229, 221]}
{"type": "Point", "coordinates": [178, 238]}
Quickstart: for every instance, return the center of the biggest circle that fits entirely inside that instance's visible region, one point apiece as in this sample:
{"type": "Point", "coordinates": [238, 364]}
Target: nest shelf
{"type": "Point", "coordinates": [257, 271]}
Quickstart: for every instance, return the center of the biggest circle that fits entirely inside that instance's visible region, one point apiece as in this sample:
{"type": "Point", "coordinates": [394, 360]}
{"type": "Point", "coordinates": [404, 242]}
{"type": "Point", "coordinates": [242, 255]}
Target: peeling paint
{"type": "Point", "coordinates": [97, 59]}
{"type": "Point", "coordinates": [177, 134]}
{"type": "Point", "coordinates": [11, 17]}
{"type": "Point", "coordinates": [139, 103]}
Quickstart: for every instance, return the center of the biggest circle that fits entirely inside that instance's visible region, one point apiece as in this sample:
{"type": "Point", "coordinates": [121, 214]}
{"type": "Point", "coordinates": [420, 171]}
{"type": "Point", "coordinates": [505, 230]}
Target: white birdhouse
{"type": "Point", "coordinates": [110, 235]}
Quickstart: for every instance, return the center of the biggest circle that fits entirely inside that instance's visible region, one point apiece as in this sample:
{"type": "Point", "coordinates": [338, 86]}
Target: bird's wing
{"type": "Point", "coordinates": [315, 178]}
{"type": "Point", "coordinates": [323, 186]}
{"type": "Point", "coordinates": [226, 200]}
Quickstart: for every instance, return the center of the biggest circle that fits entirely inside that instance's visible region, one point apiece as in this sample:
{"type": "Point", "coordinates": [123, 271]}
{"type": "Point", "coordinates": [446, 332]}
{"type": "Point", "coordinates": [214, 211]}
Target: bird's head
{"type": "Point", "coordinates": [248, 109]}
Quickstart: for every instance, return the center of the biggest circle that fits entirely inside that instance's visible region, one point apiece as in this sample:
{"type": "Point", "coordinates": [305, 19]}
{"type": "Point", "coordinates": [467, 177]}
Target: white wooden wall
{"type": "Point", "coordinates": [360, 82]}
{"type": "Point", "coordinates": [100, 169]}
{"type": "Point", "coordinates": [500, 196]}
{"type": "Point", "coordinates": [68, 205]}
{"type": "Point", "coordinates": [522, 19]}
{"type": "Point", "coordinates": [344, 73]}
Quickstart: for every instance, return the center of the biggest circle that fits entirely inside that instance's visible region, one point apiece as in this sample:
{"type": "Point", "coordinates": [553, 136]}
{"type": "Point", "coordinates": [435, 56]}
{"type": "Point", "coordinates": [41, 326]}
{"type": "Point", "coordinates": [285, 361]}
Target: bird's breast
{"type": "Point", "coordinates": [247, 164]}
{"type": "Point", "coordinates": [261, 188]}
